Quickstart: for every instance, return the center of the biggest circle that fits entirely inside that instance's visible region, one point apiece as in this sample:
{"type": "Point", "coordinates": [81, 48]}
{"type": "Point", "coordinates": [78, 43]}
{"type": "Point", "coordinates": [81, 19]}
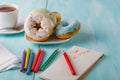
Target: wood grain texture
{"type": "Point", "coordinates": [100, 30]}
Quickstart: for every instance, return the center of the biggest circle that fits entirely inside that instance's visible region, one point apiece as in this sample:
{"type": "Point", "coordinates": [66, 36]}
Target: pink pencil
{"type": "Point", "coordinates": [39, 61]}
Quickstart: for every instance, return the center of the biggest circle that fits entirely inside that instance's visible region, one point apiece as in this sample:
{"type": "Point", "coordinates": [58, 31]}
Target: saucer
{"type": "Point", "coordinates": [52, 40]}
{"type": "Point", "coordinates": [19, 28]}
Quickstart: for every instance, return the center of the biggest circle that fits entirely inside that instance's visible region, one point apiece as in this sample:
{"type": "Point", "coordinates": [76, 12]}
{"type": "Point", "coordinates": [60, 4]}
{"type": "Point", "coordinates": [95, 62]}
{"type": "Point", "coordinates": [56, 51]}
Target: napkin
{"type": "Point", "coordinates": [8, 60]}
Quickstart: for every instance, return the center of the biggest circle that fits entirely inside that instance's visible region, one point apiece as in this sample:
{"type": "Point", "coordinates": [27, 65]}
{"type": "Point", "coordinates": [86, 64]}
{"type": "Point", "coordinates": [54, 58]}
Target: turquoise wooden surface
{"type": "Point", "coordinates": [100, 21]}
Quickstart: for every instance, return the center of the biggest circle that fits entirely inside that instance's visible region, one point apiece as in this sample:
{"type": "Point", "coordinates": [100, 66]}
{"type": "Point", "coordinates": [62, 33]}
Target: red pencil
{"type": "Point", "coordinates": [35, 60]}
{"type": "Point", "coordinates": [39, 61]}
{"type": "Point", "coordinates": [69, 63]}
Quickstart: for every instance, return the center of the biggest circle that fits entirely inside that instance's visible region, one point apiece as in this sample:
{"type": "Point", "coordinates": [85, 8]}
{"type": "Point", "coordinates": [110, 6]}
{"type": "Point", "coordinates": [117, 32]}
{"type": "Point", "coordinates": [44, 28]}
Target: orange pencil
{"type": "Point", "coordinates": [35, 60]}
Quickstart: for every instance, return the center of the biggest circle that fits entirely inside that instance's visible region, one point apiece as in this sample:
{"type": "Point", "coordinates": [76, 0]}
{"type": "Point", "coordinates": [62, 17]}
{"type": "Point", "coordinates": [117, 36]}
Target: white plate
{"type": "Point", "coordinates": [51, 40]}
{"type": "Point", "coordinates": [19, 28]}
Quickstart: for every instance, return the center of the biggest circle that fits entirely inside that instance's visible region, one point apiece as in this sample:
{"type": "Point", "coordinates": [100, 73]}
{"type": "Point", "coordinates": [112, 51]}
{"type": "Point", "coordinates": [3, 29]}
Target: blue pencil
{"type": "Point", "coordinates": [30, 63]}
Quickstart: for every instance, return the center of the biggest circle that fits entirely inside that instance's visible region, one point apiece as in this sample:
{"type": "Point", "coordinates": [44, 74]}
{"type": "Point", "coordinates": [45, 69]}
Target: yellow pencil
{"type": "Point", "coordinates": [27, 58]}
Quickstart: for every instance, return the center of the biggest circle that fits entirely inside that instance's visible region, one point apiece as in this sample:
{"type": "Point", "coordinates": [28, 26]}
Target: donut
{"type": "Point", "coordinates": [39, 25]}
{"type": "Point", "coordinates": [58, 16]}
{"type": "Point", "coordinates": [67, 28]}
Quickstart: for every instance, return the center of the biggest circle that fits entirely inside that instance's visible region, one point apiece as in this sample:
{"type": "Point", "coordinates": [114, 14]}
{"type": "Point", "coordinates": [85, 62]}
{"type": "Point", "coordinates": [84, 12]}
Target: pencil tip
{"type": "Point", "coordinates": [27, 73]}
{"type": "Point", "coordinates": [74, 73]}
{"type": "Point", "coordinates": [40, 69]}
{"type": "Point", "coordinates": [35, 72]}
{"type": "Point", "coordinates": [21, 70]}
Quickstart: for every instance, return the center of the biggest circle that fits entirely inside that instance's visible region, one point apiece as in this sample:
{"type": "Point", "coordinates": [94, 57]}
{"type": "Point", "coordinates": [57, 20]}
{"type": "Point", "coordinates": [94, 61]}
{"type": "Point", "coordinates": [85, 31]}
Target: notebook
{"type": "Point", "coordinates": [82, 60]}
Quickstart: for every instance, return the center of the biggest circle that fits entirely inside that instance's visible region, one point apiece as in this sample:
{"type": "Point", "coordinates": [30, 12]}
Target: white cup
{"type": "Point", "coordinates": [8, 17]}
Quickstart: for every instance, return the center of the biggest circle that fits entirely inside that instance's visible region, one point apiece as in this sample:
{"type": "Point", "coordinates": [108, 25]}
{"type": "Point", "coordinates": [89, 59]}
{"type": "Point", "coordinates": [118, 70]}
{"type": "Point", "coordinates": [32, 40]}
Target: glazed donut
{"type": "Point", "coordinates": [67, 28]}
{"type": "Point", "coordinates": [58, 16]}
{"type": "Point", "coordinates": [39, 25]}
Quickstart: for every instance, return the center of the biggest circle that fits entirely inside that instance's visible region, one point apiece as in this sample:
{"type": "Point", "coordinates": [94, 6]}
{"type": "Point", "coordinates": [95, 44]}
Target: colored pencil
{"type": "Point", "coordinates": [30, 63]}
{"type": "Point", "coordinates": [23, 61]}
{"type": "Point", "coordinates": [36, 59]}
{"type": "Point", "coordinates": [69, 63]}
{"type": "Point", "coordinates": [49, 60]}
{"type": "Point", "coordinates": [27, 58]}
{"type": "Point", "coordinates": [39, 61]}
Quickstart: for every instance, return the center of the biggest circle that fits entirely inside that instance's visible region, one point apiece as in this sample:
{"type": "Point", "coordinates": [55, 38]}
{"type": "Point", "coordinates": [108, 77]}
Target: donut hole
{"type": "Point", "coordinates": [38, 26]}
{"type": "Point", "coordinates": [65, 24]}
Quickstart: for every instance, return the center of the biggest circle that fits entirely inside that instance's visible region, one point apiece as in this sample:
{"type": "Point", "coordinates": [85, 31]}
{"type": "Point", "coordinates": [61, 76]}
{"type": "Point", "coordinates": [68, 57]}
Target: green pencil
{"type": "Point", "coordinates": [48, 60]}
